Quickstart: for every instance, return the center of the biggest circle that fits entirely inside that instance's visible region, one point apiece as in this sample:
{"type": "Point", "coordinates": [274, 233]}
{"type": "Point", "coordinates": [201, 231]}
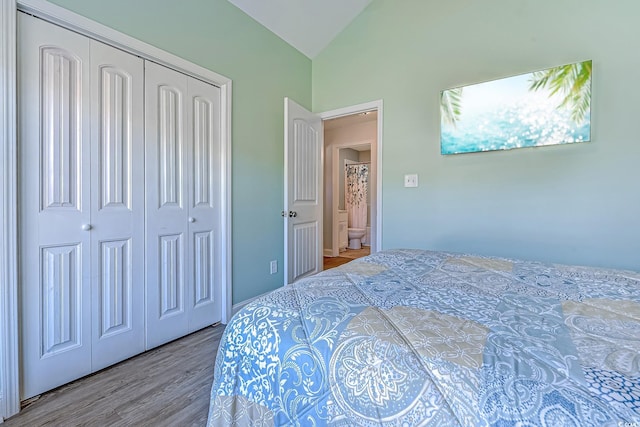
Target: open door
{"type": "Point", "coordinates": [303, 147]}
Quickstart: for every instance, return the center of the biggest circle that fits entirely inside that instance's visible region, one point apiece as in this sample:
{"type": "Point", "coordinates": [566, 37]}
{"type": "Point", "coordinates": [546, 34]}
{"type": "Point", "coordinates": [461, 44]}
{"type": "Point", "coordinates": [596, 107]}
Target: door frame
{"type": "Point", "coordinates": [377, 162]}
{"type": "Point", "coordinates": [9, 327]}
{"type": "Point", "coordinates": [9, 357]}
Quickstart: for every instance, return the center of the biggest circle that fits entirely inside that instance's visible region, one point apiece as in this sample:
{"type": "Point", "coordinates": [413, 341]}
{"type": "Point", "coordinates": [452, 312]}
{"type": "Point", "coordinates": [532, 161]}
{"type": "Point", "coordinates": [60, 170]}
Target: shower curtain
{"type": "Point", "coordinates": [357, 182]}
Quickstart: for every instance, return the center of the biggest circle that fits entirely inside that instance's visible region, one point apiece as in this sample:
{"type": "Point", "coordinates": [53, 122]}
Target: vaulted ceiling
{"type": "Point", "coordinates": [307, 25]}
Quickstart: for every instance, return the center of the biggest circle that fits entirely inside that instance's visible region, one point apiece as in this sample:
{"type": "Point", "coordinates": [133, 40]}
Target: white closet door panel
{"type": "Point", "coordinates": [171, 147]}
{"type": "Point", "coordinates": [114, 314]}
{"type": "Point", "coordinates": [204, 256]}
{"type": "Point", "coordinates": [61, 284]}
{"type": "Point", "coordinates": [61, 80]}
{"type": "Point", "coordinates": [54, 205]}
{"type": "Point", "coordinates": [117, 205]}
{"type": "Point", "coordinates": [171, 274]}
{"type": "Point", "coordinates": [166, 98]}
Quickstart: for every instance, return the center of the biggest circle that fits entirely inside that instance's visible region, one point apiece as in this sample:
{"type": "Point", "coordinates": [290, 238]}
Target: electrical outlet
{"type": "Point", "coordinates": [274, 267]}
{"type": "Point", "coordinates": [411, 180]}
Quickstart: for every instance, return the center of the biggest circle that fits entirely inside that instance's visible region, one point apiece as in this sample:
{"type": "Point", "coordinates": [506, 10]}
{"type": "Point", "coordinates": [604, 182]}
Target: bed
{"type": "Point", "coordinates": [420, 338]}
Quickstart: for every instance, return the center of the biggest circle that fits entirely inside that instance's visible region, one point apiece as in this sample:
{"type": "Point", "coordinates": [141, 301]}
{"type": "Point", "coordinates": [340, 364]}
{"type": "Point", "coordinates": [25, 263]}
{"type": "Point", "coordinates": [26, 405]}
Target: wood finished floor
{"type": "Point", "coordinates": [345, 257]}
{"type": "Point", "coordinates": [167, 386]}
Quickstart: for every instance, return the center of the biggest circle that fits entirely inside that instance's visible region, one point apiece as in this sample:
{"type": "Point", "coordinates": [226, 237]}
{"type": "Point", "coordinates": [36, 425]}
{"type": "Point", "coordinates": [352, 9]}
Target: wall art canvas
{"type": "Point", "coordinates": [547, 107]}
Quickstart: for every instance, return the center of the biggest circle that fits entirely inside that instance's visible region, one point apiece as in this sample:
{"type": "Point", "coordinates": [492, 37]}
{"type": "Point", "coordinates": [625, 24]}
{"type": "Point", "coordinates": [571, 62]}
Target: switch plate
{"type": "Point", "coordinates": [411, 180]}
{"type": "Point", "coordinates": [273, 266]}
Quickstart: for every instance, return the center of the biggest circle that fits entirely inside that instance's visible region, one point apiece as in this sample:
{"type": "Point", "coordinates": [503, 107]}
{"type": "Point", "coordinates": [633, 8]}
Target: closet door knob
{"type": "Point", "coordinates": [86, 227]}
{"type": "Point", "coordinates": [293, 214]}
{"type": "Point", "coordinates": [191, 219]}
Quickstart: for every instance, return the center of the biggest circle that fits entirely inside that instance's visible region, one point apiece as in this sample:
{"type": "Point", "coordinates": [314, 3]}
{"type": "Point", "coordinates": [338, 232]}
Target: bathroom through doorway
{"type": "Point", "coordinates": [351, 187]}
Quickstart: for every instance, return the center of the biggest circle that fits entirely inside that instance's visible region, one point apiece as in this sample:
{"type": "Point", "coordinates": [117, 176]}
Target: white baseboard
{"type": "Point", "coordinates": [328, 252]}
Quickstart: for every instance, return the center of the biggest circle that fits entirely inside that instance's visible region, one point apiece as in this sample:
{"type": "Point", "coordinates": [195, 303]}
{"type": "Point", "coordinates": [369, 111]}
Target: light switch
{"type": "Point", "coordinates": [411, 180]}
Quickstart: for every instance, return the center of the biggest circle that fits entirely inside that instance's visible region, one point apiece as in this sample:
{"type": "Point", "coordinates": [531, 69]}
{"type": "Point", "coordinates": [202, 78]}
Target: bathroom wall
{"type": "Point", "coordinates": [360, 133]}
{"type": "Point", "coordinates": [364, 156]}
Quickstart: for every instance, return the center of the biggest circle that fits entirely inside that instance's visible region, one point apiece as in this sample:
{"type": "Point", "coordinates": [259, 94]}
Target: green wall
{"type": "Point", "coordinates": [264, 69]}
{"type": "Point", "coordinates": [572, 204]}
{"type": "Point", "coordinates": [576, 204]}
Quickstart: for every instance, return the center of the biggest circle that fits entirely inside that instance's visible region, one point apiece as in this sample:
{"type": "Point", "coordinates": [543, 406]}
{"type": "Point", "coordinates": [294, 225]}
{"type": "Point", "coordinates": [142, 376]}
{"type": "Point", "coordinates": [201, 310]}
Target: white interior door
{"type": "Point", "coordinates": [303, 147]}
{"type": "Point", "coordinates": [82, 205]}
{"type": "Point", "coordinates": [183, 247]}
{"type": "Point", "coordinates": [117, 205]}
{"type": "Point", "coordinates": [167, 204]}
{"type": "Point", "coordinates": [205, 246]}
{"type": "Point", "coordinates": [55, 203]}
{"type": "Point", "coordinates": [84, 192]}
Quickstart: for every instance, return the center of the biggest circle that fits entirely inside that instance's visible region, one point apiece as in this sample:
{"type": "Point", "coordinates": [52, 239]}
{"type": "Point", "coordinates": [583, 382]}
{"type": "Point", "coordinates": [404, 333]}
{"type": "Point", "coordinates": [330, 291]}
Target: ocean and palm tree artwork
{"type": "Point", "coordinates": [547, 107]}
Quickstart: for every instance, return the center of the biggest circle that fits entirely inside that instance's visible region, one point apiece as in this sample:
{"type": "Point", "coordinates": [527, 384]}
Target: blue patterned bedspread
{"type": "Point", "coordinates": [418, 338]}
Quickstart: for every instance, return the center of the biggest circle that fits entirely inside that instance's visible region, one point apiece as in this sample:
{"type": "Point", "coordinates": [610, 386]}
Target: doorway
{"type": "Point", "coordinates": [309, 203]}
{"type": "Point", "coordinates": [351, 182]}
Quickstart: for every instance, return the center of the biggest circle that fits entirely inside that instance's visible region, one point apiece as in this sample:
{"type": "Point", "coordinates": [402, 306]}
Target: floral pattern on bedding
{"type": "Point", "coordinates": [420, 338]}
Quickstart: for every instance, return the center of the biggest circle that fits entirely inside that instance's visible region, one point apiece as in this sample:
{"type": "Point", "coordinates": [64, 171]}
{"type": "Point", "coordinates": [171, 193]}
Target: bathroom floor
{"type": "Point", "coordinates": [355, 253]}
{"type": "Point", "coordinates": [345, 257]}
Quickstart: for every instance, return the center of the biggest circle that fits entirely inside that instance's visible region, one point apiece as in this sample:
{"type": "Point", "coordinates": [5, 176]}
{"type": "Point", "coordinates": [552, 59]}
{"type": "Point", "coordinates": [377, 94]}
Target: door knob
{"type": "Point", "coordinates": [191, 219]}
{"type": "Point", "coordinates": [293, 214]}
{"type": "Point", "coordinates": [86, 227]}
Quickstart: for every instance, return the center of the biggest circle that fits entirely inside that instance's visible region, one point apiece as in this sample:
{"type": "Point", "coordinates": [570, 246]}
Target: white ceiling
{"type": "Point", "coordinates": [307, 25]}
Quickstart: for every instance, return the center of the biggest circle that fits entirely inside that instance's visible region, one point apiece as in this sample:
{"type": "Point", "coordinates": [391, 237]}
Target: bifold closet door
{"type": "Point", "coordinates": [205, 245]}
{"type": "Point", "coordinates": [55, 195]}
{"type": "Point", "coordinates": [81, 205]}
{"type": "Point", "coordinates": [117, 205]}
{"type": "Point", "coordinates": [182, 149]}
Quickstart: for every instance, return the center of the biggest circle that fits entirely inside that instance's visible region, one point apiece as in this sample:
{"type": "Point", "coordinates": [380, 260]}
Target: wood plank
{"type": "Point", "coordinates": [167, 386]}
{"type": "Point", "coordinates": [332, 262]}
{"type": "Point", "coordinates": [345, 257]}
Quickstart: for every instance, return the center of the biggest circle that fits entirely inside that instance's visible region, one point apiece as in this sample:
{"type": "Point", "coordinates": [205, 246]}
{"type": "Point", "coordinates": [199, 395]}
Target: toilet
{"type": "Point", "coordinates": [355, 236]}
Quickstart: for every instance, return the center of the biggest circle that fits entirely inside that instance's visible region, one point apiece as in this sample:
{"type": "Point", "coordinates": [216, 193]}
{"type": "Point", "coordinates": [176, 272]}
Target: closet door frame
{"type": "Point", "coordinates": [9, 357]}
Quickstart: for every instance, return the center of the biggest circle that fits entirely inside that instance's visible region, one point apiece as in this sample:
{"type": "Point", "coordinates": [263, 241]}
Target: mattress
{"type": "Point", "coordinates": [421, 338]}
